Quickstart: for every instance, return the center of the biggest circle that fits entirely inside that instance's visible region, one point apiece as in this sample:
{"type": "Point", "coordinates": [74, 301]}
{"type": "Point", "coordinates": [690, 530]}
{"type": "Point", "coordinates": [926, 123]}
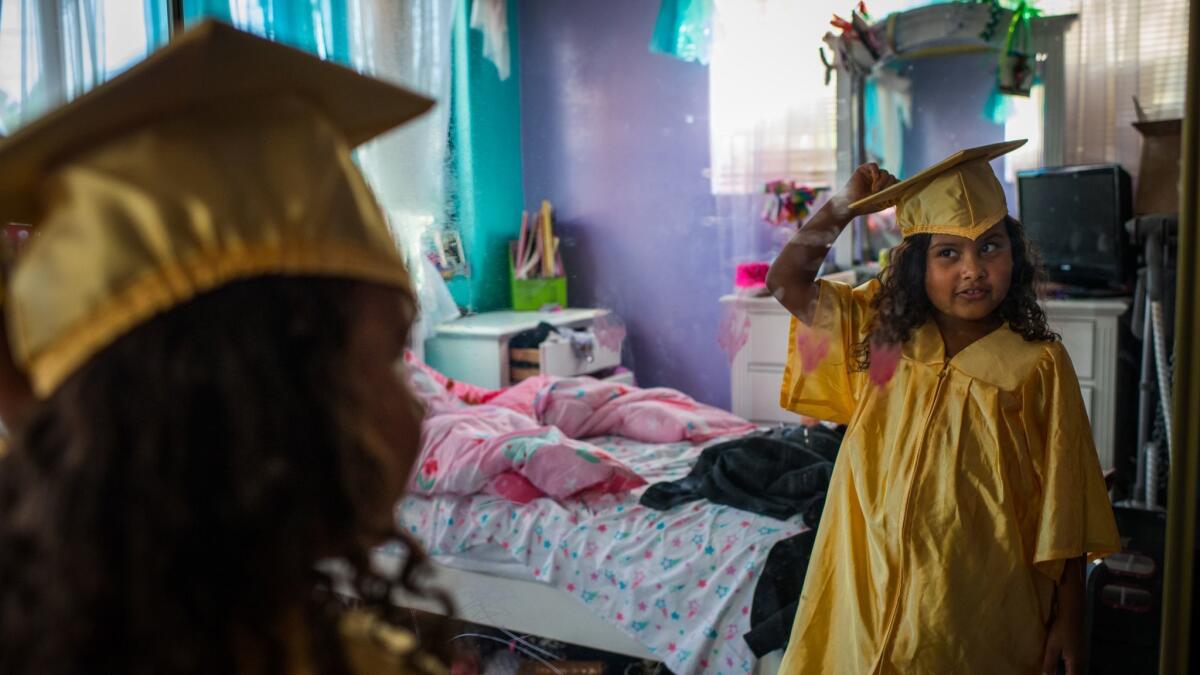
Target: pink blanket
{"type": "Point", "coordinates": [523, 444]}
{"type": "Point", "coordinates": [584, 407]}
{"type": "Point", "coordinates": [492, 449]}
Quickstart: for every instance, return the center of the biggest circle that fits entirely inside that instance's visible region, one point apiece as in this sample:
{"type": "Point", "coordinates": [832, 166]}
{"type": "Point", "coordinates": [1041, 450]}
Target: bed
{"type": "Point", "coordinates": [606, 572]}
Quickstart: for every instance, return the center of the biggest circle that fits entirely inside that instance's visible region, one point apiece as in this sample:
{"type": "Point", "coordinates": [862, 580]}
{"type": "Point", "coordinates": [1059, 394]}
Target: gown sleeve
{"type": "Point", "coordinates": [1076, 516]}
{"type": "Point", "coordinates": [820, 379]}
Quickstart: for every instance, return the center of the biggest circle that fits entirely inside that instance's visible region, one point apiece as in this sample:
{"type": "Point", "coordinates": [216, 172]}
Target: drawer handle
{"type": "Point", "coordinates": [584, 345]}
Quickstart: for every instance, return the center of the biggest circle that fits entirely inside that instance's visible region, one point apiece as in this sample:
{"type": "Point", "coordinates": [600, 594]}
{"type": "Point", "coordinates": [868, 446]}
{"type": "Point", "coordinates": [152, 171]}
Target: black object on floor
{"type": "Point", "coordinates": [776, 473]}
{"type": "Point", "coordinates": [777, 594]}
{"type": "Point", "coordinates": [1125, 596]}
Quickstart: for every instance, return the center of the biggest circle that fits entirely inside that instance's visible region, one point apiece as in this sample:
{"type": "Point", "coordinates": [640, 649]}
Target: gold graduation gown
{"type": "Point", "coordinates": [370, 645]}
{"type": "Point", "coordinates": [961, 488]}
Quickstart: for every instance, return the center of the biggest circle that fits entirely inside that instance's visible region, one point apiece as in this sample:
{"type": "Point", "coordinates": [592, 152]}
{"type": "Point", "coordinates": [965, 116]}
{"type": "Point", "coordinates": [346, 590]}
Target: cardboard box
{"type": "Point", "coordinates": [1158, 169]}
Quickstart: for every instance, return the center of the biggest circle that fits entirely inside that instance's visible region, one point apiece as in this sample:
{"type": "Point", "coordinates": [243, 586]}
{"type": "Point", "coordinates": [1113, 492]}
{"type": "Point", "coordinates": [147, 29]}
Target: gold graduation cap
{"type": "Point", "coordinates": [959, 195]}
{"type": "Point", "coordinates": [221, 156]}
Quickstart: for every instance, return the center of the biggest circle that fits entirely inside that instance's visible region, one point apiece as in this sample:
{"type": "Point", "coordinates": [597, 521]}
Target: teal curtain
{"type": "Point", "coordinates": [684, 30]}
{"type": "Point", "coordinates": [158, 23]}
{"type": "Point", "coordinates": [320, 27]}
{"type": "Point", "coordinates": [486, 190]}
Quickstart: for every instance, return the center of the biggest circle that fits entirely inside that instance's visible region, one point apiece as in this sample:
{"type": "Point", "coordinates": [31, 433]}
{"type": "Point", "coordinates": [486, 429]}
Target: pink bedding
{"type": "Point", "coordinates": [488, 448]}
{"type": "Point", "coordinates": [584, 407]}
{"type": "Point", "coordinates": [524, 442]}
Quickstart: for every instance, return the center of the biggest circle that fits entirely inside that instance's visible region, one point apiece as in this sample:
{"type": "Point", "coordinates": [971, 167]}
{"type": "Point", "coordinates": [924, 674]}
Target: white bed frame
{"type": "Point", "coordinates": [533, 608]}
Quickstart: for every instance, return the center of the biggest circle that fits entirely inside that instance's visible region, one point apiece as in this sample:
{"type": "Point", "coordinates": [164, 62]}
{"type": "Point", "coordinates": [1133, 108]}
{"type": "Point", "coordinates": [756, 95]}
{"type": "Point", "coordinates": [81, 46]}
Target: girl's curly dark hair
{"type": "Point", "coordinates": [164, 510]}
{"type": "Point", "coordinates": [902, 305]}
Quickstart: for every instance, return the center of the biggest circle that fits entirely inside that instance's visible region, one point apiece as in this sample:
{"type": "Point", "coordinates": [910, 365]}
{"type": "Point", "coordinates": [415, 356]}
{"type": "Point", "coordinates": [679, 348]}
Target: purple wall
{"type": "Point", "coordinates": [617, 139]}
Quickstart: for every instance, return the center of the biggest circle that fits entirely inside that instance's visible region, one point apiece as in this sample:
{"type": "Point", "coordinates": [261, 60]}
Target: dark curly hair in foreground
{"type": "Point", "coordinates": [164, 510]}
{"type": "Point", "coordinates": [903, 306]}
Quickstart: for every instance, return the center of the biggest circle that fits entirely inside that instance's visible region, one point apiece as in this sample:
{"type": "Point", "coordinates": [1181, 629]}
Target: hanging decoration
{"type": "Point", "coordinates": [857, 48]}
{"type": "Point", "coordinates": [994, 12]}
{"type": "Point", "coordinates": [998, 107]}
{"type": "Point", "coordinates": [858, 12]}
{"type": "Point", "coordinates": [684, 30]}
{"type": "Point", "coordinates": [1016, 72]}
{"type": "Point", "coordinates": [860, 49]}
{"type": "Point", "coordinates": [1017, 59]}
{"type": "Point", "coordinates": [491, 18]}
{"type": "Point", "coordinates": [788, 203]}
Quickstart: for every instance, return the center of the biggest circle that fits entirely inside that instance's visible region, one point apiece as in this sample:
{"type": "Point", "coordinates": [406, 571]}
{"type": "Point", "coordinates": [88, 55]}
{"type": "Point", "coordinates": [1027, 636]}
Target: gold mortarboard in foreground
{"type": "Point", "coordinates": [220, 157]}
{"type": "Point", "coordinates": [959, 195]}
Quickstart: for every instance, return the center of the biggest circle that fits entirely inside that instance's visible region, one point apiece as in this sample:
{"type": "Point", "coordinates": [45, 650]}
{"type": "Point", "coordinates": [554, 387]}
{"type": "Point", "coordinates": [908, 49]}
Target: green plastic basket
{"type": "Point", "coordinates": [532, 294]}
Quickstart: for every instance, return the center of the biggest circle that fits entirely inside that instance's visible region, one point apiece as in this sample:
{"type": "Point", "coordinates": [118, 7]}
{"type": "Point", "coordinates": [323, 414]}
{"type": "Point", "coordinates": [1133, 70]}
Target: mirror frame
{"type": "Point", "coordinates": [1174, 650]}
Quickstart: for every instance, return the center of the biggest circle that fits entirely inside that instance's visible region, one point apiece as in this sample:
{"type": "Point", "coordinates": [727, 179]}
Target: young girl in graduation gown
{"type": "Point", "coordinates": [211, 314]}
{"type": "Point", "coordinates": [967, 493]}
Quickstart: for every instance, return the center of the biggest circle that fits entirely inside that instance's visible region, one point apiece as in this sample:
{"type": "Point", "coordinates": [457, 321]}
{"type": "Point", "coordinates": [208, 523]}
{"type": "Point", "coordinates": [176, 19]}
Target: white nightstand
{"type": "Point", "coordinates": [474, 349]}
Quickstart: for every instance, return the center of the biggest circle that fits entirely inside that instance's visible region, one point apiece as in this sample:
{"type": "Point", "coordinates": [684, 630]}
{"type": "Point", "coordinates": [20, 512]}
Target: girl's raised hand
{"type": "Point", "coordinates": [864, 182]}
{"type": "Point", "coordinates": [792, 275]}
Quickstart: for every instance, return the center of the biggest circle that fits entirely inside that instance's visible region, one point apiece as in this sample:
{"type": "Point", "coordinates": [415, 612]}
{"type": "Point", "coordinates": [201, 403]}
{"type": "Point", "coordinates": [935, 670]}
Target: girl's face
{"type": "Point", "coordinates": [965, 279]}
{"type": "Point", "coordinates": [392, 413]}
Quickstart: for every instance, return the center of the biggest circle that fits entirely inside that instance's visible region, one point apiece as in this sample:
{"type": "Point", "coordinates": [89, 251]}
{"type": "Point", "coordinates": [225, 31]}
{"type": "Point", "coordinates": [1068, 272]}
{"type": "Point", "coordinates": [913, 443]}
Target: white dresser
{"type": "Point", "coordinates": [758, 366]}
{"type": "Point", "coordinates": [1089, 329]}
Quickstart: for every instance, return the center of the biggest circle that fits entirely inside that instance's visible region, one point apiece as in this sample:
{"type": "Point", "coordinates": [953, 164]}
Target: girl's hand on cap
{"type": "Point", "coordinates": [864, 182]}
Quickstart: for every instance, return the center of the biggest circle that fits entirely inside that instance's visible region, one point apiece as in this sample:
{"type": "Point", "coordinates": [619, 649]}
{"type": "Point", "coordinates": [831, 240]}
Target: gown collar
{"type": "Point", "coordinates": [1002, 358]}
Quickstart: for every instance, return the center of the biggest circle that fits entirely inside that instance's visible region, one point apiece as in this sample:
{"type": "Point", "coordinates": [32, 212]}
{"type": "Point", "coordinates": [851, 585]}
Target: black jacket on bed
{"type": "Point", "coordinates": [777, 473]}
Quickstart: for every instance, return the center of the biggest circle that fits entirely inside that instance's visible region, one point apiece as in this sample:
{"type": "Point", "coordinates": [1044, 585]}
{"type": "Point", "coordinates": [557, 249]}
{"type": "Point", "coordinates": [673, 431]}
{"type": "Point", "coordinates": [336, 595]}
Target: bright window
{"type": "Point", "coordinates": [773, 116]}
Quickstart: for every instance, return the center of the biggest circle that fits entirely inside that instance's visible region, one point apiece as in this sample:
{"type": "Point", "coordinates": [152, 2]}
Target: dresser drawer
{"type": "Point", "coordinates": [1089, 393]}
{"type": "Point", "coordinates": [558, 357]}
{"type": "Point", "coordinates": [1079, 337]}
{"type": "Point", "coordinates": [768, 341]}
{"type": "Point", "coordinates": [764, 397]}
